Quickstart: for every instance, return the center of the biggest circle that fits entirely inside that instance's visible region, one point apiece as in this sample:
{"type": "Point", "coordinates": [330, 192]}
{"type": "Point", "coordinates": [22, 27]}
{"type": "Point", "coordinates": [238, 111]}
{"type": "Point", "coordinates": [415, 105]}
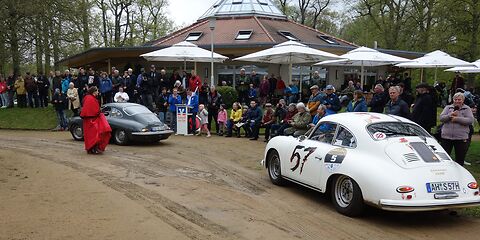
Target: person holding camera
{"type": "Point", "coordinates": [456, 119]}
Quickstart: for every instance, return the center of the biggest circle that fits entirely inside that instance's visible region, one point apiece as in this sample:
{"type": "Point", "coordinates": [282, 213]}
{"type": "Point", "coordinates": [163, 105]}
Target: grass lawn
{"type": "Point", "coordinates": [28, 118]}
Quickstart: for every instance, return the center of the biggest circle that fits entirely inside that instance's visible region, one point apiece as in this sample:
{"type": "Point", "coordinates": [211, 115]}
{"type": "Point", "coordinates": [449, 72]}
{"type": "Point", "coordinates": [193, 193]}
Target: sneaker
{"type": "Point", "coordinates": [209, 135]}
{"type": "Point", "coordinates": [254, 139]}
{"type": "Point", "coordinates": [467, 163]}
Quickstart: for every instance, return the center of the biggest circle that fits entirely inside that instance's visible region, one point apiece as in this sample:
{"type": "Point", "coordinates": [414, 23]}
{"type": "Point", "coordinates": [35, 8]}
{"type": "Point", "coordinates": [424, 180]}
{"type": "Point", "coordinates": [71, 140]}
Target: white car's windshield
{"type": "Point", "coordinates": [395, 129]}
{"type": "Point", "coordinates": [134, 110]}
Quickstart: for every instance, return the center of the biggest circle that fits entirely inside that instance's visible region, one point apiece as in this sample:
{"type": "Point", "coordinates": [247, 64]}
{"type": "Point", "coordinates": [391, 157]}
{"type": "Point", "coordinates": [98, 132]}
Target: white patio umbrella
{"type": "Point", "coordinates": [290, 52]}
{"type": "Point", "coordinates": [183, 51]}
{"type": "Point", "coordinates": [473, 69]}
{"type": "Point", "coordinates": [364, 57]}
{"type": "Point", "coordinates": [436, 59]}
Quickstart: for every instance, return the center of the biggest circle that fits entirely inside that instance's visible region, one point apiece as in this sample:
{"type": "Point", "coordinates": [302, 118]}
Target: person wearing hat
{"type": "Point", "coordinates": [315, 99]}
{"type": "Point", "coordinates": [424, 111]}
{"type": "Point", "coordinates": [300, 121]}
{"type": "Point", "coordinates": [331, 100]}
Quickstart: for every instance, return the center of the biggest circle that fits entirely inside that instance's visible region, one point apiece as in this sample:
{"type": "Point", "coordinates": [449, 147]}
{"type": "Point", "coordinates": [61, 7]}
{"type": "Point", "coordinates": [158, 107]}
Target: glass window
{"type": "Point", "coordinates": [324, 132]}
{"type": "Point", "coordinates": [288, 35]}
{"type": "Point", "coordinates": [116, 113]}
{"type": "Point", "coordinates": [244, 35]}
{"type": "Point", "coordinates": [194, 36]}
{"type": "Point", "coordinates": [137, 109]}
{"type": "Point", "coordinates": [237, 1]}
{"type": "Point", "coordinates": [263, 2]}
{"type": "Point", "coordinates": [328, 39]}
{"type": "Point", "coordinates": [345, 138]}
{"type": "Point", "coordinates": [379, 131]}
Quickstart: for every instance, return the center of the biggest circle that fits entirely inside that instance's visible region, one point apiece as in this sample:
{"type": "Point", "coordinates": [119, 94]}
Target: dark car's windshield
{"type": "Point", "coordinates": [134, 110]}
{"type": "Point", "coordinates": [383, 130]}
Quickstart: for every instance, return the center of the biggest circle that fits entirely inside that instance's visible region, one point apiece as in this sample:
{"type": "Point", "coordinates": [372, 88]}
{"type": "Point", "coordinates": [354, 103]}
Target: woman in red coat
{"type": "Point", "coordinates": [96, 130]}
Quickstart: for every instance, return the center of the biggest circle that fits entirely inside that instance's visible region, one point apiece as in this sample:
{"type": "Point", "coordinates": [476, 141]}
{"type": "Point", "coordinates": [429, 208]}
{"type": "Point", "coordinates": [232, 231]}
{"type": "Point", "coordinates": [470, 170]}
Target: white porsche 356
{"type": "Point", "coordinates": [380, 160]}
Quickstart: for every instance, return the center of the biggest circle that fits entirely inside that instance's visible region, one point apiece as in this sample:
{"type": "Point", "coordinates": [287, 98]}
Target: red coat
{"type": "Point", "coordinates": [194, 83]}
{"type": "Point", "coordinates": [96, 130]}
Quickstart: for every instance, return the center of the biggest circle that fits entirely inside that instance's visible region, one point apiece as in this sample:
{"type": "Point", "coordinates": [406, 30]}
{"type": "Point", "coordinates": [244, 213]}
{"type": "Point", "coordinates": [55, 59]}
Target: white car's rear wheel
{"type": "Point", "coordinates": [347, 196]}
{"type": "Point", "coordinates": [274, 168]}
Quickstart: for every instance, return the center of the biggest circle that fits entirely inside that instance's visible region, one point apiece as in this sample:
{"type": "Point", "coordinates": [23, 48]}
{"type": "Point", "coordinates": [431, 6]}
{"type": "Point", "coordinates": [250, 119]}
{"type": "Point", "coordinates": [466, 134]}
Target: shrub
{"type": "Point", "coordinates": [229, 95]}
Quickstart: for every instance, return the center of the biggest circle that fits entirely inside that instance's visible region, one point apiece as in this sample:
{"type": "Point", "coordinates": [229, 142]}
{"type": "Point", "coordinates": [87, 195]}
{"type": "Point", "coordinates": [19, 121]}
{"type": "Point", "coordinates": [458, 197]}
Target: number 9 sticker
{"type": "Point", "coordinates": [379, 136]}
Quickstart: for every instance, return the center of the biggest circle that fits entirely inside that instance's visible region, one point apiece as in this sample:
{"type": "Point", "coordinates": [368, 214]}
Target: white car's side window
{"type": "Point", "coordinates": [345, 138]}
{"type": "Point", "coordinates": [324, 132]}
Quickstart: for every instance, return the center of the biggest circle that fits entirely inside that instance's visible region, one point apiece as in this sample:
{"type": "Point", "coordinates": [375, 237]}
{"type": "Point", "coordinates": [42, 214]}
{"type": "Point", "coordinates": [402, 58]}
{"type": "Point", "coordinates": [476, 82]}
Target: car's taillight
{"type": "Point", "coordinates": [405, 189]}
{"type": "Point", "coordinates": [473, 185]}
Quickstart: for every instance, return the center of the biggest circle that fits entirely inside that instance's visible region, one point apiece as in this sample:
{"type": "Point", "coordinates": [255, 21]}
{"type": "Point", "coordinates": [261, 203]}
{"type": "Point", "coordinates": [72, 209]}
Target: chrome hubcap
{"type": "Point", "coordinates": [344, 191]}
{"type": "Point", "coordinates": [120, 136]}
{"type": "Point", "coordinates": [78, 132]}
{"type": "Point", "coordinates": [274, 167]}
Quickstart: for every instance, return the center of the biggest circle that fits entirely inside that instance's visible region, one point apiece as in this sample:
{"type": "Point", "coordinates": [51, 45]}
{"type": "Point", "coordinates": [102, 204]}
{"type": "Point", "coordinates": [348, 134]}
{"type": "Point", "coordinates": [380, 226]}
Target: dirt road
{"type": "Point", "coordinates": [182, 188]}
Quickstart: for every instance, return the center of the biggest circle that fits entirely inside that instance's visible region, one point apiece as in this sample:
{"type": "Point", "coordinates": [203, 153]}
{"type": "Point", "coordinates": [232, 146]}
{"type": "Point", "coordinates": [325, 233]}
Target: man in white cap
{"type": "Point", "coordinates": [300, 121]}
{"type": "Point", "coordinates": [315, 99]}
{"type": "Point", "coordinates": [331, 101]}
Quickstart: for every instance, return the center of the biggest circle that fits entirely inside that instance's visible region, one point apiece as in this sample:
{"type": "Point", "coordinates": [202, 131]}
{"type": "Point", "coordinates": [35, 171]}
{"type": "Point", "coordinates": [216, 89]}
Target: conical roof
{"type": "Point", "coordinates": [225, 8]}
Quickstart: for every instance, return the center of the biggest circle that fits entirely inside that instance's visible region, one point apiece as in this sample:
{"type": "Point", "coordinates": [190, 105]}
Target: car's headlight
{"type": "Point", "coordinates": [144, 130]}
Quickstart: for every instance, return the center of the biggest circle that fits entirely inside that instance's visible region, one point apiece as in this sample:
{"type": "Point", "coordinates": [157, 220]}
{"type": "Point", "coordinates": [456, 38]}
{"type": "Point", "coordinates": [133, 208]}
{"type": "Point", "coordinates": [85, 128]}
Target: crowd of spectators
{"type": "Point", "coordinates": [272, 105]}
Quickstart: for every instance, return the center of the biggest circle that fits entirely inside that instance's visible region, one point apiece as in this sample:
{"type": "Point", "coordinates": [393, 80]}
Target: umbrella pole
{"type": "Point", "coordinates": [185, 65]}
{"type": "Point", "coordinates": [421, 75]}
{"type": "Point", "coordinates": [435, 74]}
{"type": "Point", "coordinates": [361, 76]}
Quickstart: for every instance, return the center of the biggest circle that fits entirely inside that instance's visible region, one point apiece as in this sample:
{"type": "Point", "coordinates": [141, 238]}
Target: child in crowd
{"type": "Point", "coordinates": [203, 114]}
{"type": "Point", "coordinates": [222, 119]}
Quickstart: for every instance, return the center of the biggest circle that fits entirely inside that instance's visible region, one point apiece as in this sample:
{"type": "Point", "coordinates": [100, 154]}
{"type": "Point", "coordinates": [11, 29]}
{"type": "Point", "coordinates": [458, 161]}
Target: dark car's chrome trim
{"type": "Point", "coordinates": [152, 133]}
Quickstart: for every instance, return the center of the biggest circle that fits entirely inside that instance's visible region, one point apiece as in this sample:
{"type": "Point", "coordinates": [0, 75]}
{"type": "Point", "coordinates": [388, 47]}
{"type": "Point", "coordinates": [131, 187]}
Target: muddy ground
{"type": "Point", "coordinates": [181, 188]}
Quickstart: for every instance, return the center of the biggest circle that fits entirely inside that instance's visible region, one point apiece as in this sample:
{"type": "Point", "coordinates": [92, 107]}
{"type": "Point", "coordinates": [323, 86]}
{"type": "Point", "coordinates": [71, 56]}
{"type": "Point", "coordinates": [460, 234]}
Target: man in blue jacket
{"type": "Point", "coordinates": [331, 101]}
{"type": "Point", "coordinates": [192, 103]}
{"type": "Point", "coordinates": [173, 100]}
{"type": "Point", "coordinates": [254, 119]}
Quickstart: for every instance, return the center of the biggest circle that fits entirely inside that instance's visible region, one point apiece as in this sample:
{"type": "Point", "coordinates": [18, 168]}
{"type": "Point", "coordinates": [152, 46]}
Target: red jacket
{"type": "Point", "coordinates": [194, 83]}
{"type": "Point", "coordinates": [3, 87]}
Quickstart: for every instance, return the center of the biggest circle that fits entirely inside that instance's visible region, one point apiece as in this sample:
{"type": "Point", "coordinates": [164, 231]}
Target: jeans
{"type": "Point", "coordinates": [4, 99]}
{"type": "Point", "coordinates": [173, 122]}
{"type": "Point", "coordinates": [32, 99]}
{"type": "Point", "coordinates": [147, 100]}
{"type": "Point", "coordinates": [162, 116]}
{"type": "Point", "coordinates": [62, 119]}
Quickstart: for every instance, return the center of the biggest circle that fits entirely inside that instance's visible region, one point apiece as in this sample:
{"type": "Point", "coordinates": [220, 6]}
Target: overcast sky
{"type": "Point", "coordinates": [185, 12]}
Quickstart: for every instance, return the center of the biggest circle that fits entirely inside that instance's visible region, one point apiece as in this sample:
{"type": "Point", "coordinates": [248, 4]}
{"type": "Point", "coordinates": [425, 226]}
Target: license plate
{"type": "Point", "coordinates": [452, 186]}
{"type": "Point", "coordinates": [154, 129]}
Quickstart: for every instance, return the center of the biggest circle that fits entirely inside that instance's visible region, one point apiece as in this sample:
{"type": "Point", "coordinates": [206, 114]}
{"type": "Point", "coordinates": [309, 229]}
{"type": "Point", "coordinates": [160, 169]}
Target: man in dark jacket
{"type": "Point", "coordinates": [11, 89]}
{"type": "Point", "coordinates": [43, 85]}
{"type": "Point", "coordinates": [32, 90]}
{"type": "Point", "coordinates": [331, 101]}
{"type": "Point", "coordinates": [153, 78]}
{"type": "Point", "coordinates": [379, 99]}
{"type": "Point", "coordinates": [396, 106]}
{"type": "Point", "coordinates": [214, 101]}
{"type": "Point", "coordinates": [146, 90]}
{"type": "Point", "coordinates": [164, 81]}
{"type": "Point", "coordinates": [424, 110]}
{"type": "Point", "coordinates": [254, 118]}
{"type": "Point", "coordinates": [59, 101]}
{"type": "Point", "coordinates": [83, 84]}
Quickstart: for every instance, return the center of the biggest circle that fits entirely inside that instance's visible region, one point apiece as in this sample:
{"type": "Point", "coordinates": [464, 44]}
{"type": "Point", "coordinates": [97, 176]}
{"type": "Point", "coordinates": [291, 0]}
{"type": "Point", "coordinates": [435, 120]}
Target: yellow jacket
{"type": "Point", "coordinates": [20, 87]}
{"type": "Point", "coordinates": [236, 115]}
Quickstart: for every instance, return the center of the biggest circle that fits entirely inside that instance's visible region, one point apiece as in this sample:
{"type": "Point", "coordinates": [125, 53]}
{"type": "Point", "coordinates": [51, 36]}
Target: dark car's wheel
{"type": "Point", "coordinates": [347, 196]}
{"type": "Point", "coordinates": [274, 169]}
{"type": "Point", "coordinates": [77, 132]}
{"type": "Point", "coordinates": [120, 137]}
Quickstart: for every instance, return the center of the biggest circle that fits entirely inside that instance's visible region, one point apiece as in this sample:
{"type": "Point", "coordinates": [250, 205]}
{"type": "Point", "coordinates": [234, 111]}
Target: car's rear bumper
{"type": "Point", "coordinates": [428, 205]}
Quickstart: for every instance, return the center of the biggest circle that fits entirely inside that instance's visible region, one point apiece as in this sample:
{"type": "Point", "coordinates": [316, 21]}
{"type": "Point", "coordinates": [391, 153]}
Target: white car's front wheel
{"type": "Point", "coordinates": [347, 196]}
{"type": "Point", "coordinates": [274, 168]}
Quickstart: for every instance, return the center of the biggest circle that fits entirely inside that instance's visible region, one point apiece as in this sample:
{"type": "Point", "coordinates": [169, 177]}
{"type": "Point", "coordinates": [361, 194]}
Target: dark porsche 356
{"type": "Point", "coordinates": [130, 122]}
